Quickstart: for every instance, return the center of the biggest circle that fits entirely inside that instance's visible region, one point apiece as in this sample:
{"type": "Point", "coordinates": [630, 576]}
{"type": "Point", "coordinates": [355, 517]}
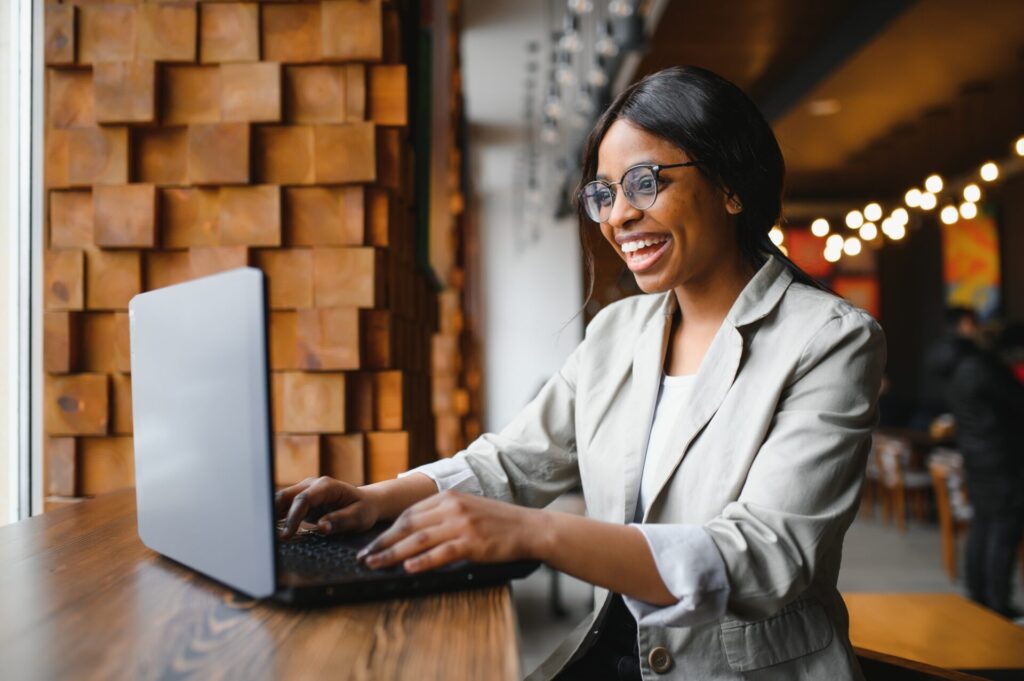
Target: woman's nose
{"type": "Point", "coordinates": [623, 211]}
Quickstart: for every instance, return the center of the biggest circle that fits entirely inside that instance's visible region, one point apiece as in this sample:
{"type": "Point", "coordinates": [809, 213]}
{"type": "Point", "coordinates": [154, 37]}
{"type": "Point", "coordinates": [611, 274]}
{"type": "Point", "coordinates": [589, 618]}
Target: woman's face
{"type": "Point", "coordinates": [690, 224]}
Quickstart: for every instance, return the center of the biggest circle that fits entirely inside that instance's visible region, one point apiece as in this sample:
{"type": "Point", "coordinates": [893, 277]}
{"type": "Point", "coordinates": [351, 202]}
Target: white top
{"type": "Point", "coordinates": [687, 559]}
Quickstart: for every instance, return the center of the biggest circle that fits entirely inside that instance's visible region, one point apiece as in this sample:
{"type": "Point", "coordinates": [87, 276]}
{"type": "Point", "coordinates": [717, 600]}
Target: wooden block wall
{"type": "Point", "coordinates": [184, 139]}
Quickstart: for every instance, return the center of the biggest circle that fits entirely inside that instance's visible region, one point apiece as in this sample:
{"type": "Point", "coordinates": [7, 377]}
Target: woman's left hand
{"type": "Point", "coordinates": [453, 526]}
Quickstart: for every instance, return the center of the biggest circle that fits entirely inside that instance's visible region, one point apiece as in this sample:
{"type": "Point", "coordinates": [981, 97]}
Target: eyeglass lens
{"type": "Point", "coordinates": [639, 184]}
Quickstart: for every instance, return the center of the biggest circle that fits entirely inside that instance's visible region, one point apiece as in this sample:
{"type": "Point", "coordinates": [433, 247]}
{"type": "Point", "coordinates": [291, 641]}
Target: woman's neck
{"type": "Point", "coordinates": [706, 301]}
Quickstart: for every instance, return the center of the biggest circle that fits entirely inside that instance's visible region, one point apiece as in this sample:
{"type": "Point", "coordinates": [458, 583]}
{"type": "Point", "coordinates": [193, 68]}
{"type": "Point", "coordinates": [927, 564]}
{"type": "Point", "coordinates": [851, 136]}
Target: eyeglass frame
{"type": "Point", "coordinates": [655, 168]}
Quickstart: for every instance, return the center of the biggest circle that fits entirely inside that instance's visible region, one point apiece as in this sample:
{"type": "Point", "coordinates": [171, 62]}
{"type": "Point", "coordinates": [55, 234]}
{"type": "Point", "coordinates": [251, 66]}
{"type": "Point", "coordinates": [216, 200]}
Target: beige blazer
{"type": "Point", "coordinates": [769, 459]}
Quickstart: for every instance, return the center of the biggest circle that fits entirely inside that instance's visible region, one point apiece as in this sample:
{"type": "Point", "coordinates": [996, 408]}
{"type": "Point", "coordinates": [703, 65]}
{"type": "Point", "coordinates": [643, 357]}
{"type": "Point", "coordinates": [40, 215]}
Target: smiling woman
{"type": "Point", "coordinates": [718, 426]}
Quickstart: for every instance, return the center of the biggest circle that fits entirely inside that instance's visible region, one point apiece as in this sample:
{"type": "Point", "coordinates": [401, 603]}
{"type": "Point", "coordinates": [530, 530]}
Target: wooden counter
{"type": "Point", "coordinates": [82, 598]}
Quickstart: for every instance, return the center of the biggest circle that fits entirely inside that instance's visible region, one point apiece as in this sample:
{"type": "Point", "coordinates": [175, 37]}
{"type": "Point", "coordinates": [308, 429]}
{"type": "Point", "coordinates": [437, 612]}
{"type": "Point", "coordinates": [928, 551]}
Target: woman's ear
{"type": "Point", "coordinates": [732, 203]}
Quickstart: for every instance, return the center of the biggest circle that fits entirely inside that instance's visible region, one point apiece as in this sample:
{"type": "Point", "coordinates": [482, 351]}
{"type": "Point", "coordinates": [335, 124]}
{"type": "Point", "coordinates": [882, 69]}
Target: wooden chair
{"type": "Point", "coordinates": [883, 667]}
{"type": "Point", "coordinates": [898, 481]}
{"type": "Point", "coordinates": [946, 467]}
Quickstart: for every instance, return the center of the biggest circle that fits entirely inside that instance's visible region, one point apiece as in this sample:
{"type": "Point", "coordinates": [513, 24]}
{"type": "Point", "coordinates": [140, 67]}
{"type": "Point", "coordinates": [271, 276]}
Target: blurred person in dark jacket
{"type": "Point", "coordinates": [987, 402]}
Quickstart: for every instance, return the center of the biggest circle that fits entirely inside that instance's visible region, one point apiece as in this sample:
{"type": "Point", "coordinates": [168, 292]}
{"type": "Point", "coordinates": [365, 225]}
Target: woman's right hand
{"type": "Point", "coordinates": [333, 505]}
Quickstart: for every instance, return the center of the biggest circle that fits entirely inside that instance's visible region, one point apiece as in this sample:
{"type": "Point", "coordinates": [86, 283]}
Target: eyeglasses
{"type": "Point", "coordinates": [639, 184]}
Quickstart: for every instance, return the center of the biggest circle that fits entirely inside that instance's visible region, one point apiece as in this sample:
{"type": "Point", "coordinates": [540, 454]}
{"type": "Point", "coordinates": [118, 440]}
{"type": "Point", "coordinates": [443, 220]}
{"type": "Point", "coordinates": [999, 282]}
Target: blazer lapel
{"type": "Point", "coordinates": [648, 360]}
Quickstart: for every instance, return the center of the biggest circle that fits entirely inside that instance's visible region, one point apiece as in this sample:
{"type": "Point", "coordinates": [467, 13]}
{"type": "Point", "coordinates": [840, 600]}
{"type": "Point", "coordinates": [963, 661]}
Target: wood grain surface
{"type": "Point", "coordinates": [83, 599]}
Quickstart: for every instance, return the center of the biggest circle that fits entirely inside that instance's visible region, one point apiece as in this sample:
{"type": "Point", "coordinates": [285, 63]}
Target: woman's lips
{"type": "Point", "coordinates": [640, 261]}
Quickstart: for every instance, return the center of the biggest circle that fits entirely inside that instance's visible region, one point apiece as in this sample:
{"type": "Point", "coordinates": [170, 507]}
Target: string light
{"type": "Point", "coordinates": [900, 216]}
{"type": "Point", "coordinates": [580, 6]}
{"type": "Point", "coordinates": [776, 235]}
{"type": "Point", "coordinates": [621, 8]}
{"type": "Point", "coordinates": [897, 232]}
{"type": "Point", "coordinates": [833, 255]}
{"type": "Point", "coordinates": [852, 246]}
{"type": "Point", "coordinates": [933, 184]}
{"type": "Point", "coordinates": [872, 212]}
{"type": "Point", "coordinates": [834, 243]}
{"type": "Point", "coordinates": [989, 172]}
{"type": "Point", "coordinates": [854, 219]}
{"type": "Point", "coordinates": [868, 231]}
{"type": "Point", "coordinates": [968, 210]}
{"type": "Point", "coordinates": [1018, 146]}
{"type": "Point", "coordinates": [913, 197]}
{"type": "Point", "coordinates": [605, 45]}
{"type": "Point", "coordinates": [928, 201]}
{"type": "Point", "coordinates": [949, 215]}
{"type": "Point", "coordinates": [819, 227]}
{"type": "Point", "coordinates": [972, 193]}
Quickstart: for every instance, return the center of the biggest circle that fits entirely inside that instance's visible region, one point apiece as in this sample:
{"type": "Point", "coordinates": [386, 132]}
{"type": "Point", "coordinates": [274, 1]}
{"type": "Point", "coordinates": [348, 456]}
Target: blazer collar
{"type": "Point", "coordinates": [714, 378]}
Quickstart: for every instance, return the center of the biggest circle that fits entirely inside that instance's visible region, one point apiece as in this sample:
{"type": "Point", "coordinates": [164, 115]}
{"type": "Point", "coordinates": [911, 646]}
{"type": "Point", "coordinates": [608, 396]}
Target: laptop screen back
{"type": "Point", "coordinates": [201, 426]}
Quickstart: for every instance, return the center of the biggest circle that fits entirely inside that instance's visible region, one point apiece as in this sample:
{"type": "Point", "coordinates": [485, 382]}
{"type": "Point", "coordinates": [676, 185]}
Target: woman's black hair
{"type": "Point", "coordinates": [721, 129]}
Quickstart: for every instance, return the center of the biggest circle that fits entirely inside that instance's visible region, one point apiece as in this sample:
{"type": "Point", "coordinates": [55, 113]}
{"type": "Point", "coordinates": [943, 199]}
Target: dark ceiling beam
{"type": "Point", "coordinates": [866, 20]}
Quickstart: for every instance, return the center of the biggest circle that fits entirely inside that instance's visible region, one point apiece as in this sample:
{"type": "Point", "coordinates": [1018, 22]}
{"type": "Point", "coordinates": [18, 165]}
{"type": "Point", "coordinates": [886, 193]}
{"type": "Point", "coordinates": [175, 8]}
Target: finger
{"type": "Point", "coordinates": [410, 521]}
{"type": "Point", "coordinates": [283, 498]}
{"type": "Point", "coordinates": [352, 518]}
{"type": "Point", "coordinates": [442, 554]}
{"type": "Point", "coordinates": [322, 491]}
{"type": "Point", "coordinates": [413, 545]}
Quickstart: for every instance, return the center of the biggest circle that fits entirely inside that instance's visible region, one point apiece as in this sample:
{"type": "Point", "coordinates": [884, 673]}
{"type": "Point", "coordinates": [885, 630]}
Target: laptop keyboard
{"type": "Point", "coordinates": [315, 556]}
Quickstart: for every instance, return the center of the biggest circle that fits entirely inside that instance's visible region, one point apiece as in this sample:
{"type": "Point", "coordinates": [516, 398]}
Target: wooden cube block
{"type": "Point", "coordinates": [121, 399]}
{"type": "Point", "coordinates": [167, 31]}
{"type": "Point", "coordinates": [97, 156]}
{"type": "Point", "coordinates": [309, 402]}
{"type": "Point", "coordinates": [190, 94]}
{"type": "Point", "coordinates": [166, 268]}
{"type": "Point", "coordinates": [296, 457]}
{"type": "Point", "coordinates": [76, 404]}
{"type": "Point", "coordinates": [251, 92]}
{"type": "Point", "coordinates": [125, 215]}
{"type": "Point", "coordinates": [64, 280]}
{"type": "Point", "coordinates": [289, 277]}
{"type": "Point", "coordinates": [250, 216]}
{"type": "Point", "coordinates": [378, 339]}
{"type": "Point", "coordinates": [56, 143]}
{"type": "Point", "coordinates": [387, 455]}
{"type": "Point", "coordinates": [60, 342]}
{"type": "Point", "coordinates": [206, 261]}
{"type": "Point", "coordinates": [345, 153]}
{"type": "Point", "coordinates": [324, 216]}
{"type": "Point", "coordinates": [360, 401]}
{"type": "Point", "coordinates": [160, 155]}
{"type": "Point", "coordinates": [229, 32]}
{"type": "Point", "coordinates": [106, 464]}
{"type": "Point", "coordinates": [343, 457]}
{"type": "Point", "coordinates": [351, 30]}
{"type": "Point", "coordinates": [106, 33]}
{"type": "Point", "coordinates": [380, 225]}
{"type": "Point", "coordinates": [99, 342]}
{"type": "Point", "coordinates": [348, 277]}
{"type": "Point", "coordinates": [124, 91]}
{"type": "Point", "coordinates": [445, 354]}
{"type": "Point", "coordinates": [355, 93]}
{"type": "Point", "coordinates": [122, 343]}
{"type": "Point", "coordinates": [188, 217]}
{"type": "Point", "coordinates": [448, 435]}
{"type": "Point", "coordinates": [328, 338]}
{"type": "Point", "coordinates": [218, 153]}
{"type": "Point", "coordinates": [59, 34]}
{"type": "Point", "coordinates": [291, 31]}
{"type": "Point", "coordinates": [70, 219]}
{"type": "Point", "coordinates": [61, 466]}
{"type": "Point", "coordinates": [69, 101]}
{"type": "Point", "coordinates": [390, 171]}
{"type": "Point", "coordinates": [389, 400]}
{"type": "Point", "coordinates": [111, 278]}
{"type": "Point", "coordinates": [283, 340]}
{"type": "Point", "coordinates": [315, 94]}
{"type": "Point", "coordinates": [389, 100]}
{"type": "Point", "coordinates": [284, 154]}
{"type": "Point", "coordinates": [392, 36]}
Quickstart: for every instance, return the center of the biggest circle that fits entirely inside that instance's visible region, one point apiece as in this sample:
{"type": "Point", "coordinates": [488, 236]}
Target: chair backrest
{"type": "Point", "coordinates": [893, 456]}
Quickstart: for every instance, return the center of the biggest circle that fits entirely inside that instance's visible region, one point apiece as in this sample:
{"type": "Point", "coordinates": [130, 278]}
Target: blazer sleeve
{"type": "Point", "coordinates": [803, 487]}
{"type": "Point", "coordinates": [532, 460]}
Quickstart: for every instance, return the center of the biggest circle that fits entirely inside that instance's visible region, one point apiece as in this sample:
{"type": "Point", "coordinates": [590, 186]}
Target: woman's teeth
{"type": "Point", "coordinates": [637, 244]}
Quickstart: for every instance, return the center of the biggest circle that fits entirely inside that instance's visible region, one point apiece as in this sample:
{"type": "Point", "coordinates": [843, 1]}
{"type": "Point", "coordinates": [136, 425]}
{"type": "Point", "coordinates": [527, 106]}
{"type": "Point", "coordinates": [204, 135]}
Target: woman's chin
{"type": "Point", "coordinates": [649, 283]}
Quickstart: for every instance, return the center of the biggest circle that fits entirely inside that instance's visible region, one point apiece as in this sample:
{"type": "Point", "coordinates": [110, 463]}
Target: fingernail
{"type": "Point", "coordinates": [326, 525]}
{"type": "Point", "coordinates": [363, 552]}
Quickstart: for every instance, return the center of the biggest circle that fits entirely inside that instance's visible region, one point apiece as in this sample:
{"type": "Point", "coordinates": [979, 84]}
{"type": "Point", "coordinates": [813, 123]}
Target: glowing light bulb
{"type": "Point", "coordinates": [933, 184]}
{"type": "Point", "coordinates": [928, 201]}
{"type": "Point", "coordinates": [834, 242]}
{"type": "Point", "coordinates": [1018, 146]}
{"type": "Point", "coordinates": [968, 210]}
{"type": "Point", "coordinates": [819, 227]}
{"type": "Point", "coordinates": [900, 216]}
{"type": "Point", "coordinates": [872, 212]}
{"type": "Point", "coordinates": [949, 215]}
{"type": "Point", "coordinates": [833, 255]}
{"type": "Point", "coordinates": [972, 193]}
{"type": "Point", "coordinates": [897, 232]}
{"type": "Point", "coordinates": [913, 197]}
{"type": "Point", "coordinates": [989, 171]}
{"type": "Point", "coordinates": [776, 235]}
{"type": "Point", "coordinates": [854, 219]}
{"type": "Point", "coordinates": [868, 231]}
{"type": "Point", "coordinates": [852, 246]}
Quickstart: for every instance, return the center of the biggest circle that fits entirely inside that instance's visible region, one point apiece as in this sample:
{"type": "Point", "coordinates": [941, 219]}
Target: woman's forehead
{"type": "Point", "coordinates": [625, 145]}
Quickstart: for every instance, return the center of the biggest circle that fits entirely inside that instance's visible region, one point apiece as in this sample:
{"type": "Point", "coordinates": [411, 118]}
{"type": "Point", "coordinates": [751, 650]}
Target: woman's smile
{"type": "Point", "coordinates": [642, 251]}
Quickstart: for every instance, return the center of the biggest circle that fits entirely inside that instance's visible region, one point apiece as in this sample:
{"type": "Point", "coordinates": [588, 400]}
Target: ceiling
{"type": "Point", "coordinates": [914, 87]}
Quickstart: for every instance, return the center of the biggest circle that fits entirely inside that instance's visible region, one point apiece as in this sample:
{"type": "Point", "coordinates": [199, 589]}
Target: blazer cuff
{"type": "Point", "coordinates": [453, 473]}
{"type": "Point", "coordinates": [692, 568]}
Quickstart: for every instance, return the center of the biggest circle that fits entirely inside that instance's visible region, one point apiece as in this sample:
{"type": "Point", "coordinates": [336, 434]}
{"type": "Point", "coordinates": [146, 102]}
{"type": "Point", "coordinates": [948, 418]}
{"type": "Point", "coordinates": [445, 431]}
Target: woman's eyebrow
{"type": "Point", "coordinates": [642, 162]}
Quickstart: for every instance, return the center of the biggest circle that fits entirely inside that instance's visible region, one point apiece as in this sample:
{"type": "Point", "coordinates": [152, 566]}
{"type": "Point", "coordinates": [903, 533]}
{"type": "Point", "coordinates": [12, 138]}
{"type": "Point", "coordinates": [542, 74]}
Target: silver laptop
{"type": "Point", "coordinates": [204, 460]}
